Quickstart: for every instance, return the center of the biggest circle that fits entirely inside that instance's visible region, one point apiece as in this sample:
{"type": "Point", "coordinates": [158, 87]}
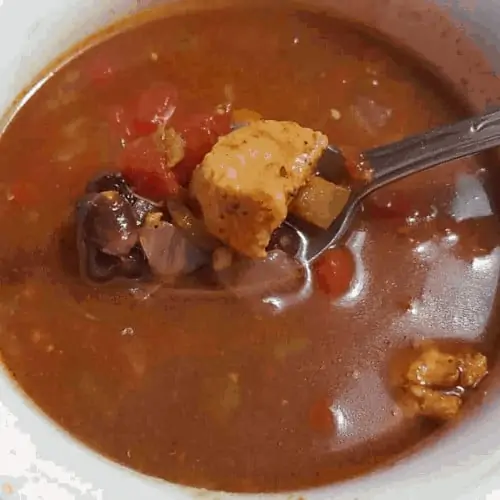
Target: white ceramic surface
{"type": "Point", "coordinates": [39, 461]}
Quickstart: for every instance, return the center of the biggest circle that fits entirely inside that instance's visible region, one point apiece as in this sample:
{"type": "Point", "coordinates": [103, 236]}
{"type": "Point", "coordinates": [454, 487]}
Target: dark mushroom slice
{"type": "Point", "coordinates": [97, 267]}
{"type": "Point", "coordinates": [100, 268]}
{"type": "Point", "coordinates": [111, 181]}
{"type": "Point", "coordinates": [114, 181]}
{"type": "Point", "coordinates": [107, 239]}
{"type": "Point", "coordinates": [285, 238]}
{"type": "Point", "coordinates": [108, 222]}
{"type": "Point", "coordinates": [135, 265]}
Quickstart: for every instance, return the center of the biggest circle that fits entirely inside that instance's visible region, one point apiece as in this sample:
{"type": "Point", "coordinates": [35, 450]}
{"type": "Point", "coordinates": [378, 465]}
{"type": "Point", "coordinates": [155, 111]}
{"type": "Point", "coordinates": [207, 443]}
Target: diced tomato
{"type": "Point", "coordinates": [145, 167]}
{"type": "Point", "coordinates": [141, 129]}
{"type": "Point", "coordinates": [124, 126]}
{"type": "Point", "coordinates": [121, 122]}
{"type": "Point", "coordinates": [142, 161]}
{"type": "Point", "coordinates": [156, 104]}
{"type": "Point", "coordinates": [334, 271]}
{"type": "Point", "coordinates": [200, 133]}
{"type": "Point", "coordinates": [320, 416]}
{"type": "Point", "coordinates": [143, 114]}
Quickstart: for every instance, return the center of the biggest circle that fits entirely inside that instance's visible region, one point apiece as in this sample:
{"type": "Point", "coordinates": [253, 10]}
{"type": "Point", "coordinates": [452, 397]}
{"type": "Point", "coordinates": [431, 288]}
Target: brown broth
{"type": "Point", "coordinates": [218, 392]}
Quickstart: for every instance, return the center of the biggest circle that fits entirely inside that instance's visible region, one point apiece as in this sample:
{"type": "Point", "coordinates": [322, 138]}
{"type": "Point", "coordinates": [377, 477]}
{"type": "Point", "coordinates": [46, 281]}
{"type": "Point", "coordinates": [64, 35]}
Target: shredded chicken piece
{"type": "Point", "coordinates": [435, 368]}
{"type": "Point", "coordinates": [474, 369]}
{"type": "Point", "coordinates": [437, 381]}
{"type": "Point", "coordinates": [432, 403]}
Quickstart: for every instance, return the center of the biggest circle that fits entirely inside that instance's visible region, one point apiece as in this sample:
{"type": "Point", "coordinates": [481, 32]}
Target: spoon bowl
{"type": "Point", "coordinates": [389, 163]}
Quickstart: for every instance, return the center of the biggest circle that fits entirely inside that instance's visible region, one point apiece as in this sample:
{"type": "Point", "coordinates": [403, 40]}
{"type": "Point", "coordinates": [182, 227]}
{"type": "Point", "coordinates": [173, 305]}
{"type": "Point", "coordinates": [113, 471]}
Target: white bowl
{"type": "Point", "coordinates": [40, 461]}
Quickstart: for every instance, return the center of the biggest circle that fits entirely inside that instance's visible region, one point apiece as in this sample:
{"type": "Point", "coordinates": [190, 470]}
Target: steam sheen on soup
{"type": "Point", "coordinates": [206, 356]}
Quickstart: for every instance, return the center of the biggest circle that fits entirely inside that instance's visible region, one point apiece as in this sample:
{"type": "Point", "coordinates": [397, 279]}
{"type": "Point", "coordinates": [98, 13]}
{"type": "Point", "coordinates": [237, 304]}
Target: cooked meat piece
{"type": "Point", "coordinates": [245, 184]}
{"type": "Point", "coordinates": [436, 404]}
{"type": "Point", "coordinates": [474, 369]}
{"type": "Point", "coordinates": [437, 381]}
{"type": "Point", "coordinates": [435, 369]}
{"type": "Point", "coordinates": [168, 251]}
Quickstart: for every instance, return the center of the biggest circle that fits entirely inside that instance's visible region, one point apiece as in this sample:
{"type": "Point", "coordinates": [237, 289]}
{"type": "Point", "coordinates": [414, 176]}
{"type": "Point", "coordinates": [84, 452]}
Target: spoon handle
{"type": "Point", "coordinates": [439, 145]}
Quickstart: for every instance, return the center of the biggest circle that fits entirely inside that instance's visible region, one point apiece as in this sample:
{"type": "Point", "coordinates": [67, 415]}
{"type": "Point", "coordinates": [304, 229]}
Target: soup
{"type": "Point", "coordinates": [231, 388]}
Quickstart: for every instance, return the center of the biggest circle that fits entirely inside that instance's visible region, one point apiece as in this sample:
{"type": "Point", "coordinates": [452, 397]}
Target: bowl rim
{"type": "Point", "coordinates": [46, 452]}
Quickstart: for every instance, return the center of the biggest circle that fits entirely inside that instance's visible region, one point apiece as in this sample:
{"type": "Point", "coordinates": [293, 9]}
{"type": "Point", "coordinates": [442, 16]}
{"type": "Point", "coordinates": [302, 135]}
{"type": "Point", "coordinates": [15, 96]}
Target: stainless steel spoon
{"type": "Point", "coordinates": [398, 160]}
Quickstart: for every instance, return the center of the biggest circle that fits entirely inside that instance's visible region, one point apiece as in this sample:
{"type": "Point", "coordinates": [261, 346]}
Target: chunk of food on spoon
{"type": "Point", "coordinates": [196, 184]}
{"type": "Point", "coordinates": [246, 183]}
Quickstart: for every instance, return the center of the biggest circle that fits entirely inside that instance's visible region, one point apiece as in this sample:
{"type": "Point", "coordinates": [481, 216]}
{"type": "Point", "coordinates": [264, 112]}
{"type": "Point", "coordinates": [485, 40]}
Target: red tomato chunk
{"type": "Point", "coordinates": [200, 133]}
{"type": "Point", "coordinates": [120, 122]}
{"type": "Point", "coordinates": [144, 165]}
{"type": "Point", "coordinates": [334, 271]}
{"type": "Point", "coordinates": [156, 105]}
{"type": "Point", "coordinates": [142, 116]}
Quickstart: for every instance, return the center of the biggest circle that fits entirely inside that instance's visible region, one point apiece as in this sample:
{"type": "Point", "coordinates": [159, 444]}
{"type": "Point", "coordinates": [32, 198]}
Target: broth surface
{"type": "Point", "coordinates": [217, 392]}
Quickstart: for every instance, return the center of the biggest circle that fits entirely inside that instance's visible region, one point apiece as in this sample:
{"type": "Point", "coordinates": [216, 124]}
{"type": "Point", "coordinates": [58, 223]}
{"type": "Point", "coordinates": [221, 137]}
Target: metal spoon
{"type": "Point", "coordinates": [398, 160]}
